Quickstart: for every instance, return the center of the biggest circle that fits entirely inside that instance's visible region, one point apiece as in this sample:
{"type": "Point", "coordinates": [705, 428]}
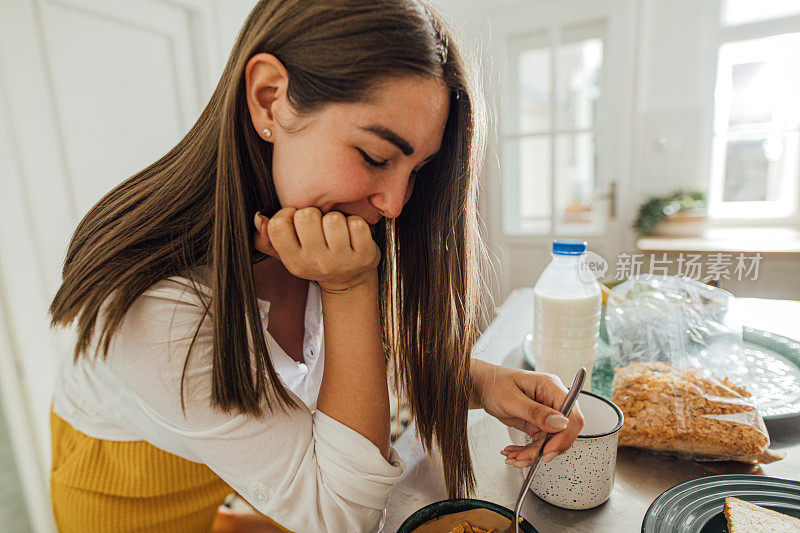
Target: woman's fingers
{"type": "Point", "coordinates": [282, 232]}
{"type": "Point", "coordinates": [308, 225]}
{"type": "Point", "coordinates": [360, 234]}
{"type": "Point", "coordinates": [541, 417]}
{"type": "Point", "coordinates": [261, 241]}
{"type": "Point", "coordinates": [548, 390]}
{"type": "Point", "coordinates": [337, 236]}
{"type": "Point", "coordinates": [362, 242]}
{"type": "Point", "coordinates": [564, 439]}
{"type": "Point", "coordinates": [521, 456]}
{"type": "Point", "coordinates": [512, 449]}
{"type": "Point", "coordinates": [558, 444]}
{"type": "Point", "coordinates": [549, 393]}
{"type": "Point", "coordinates": [335, 251]}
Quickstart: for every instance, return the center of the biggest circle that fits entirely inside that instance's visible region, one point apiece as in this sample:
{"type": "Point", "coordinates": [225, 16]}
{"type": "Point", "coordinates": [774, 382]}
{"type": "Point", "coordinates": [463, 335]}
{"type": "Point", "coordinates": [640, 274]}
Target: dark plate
{"type": "Point", "coordinates": [696, 506]}
{"type": "Point", "coordinates": [446, 507]}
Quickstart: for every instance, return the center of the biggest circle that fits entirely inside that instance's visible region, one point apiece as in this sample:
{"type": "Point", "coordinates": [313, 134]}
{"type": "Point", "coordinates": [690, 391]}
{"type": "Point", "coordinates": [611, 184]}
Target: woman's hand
{"type": "Point", "coordinates": [529, 402]}
{"type": "Point", "coordinates": [335, 251]}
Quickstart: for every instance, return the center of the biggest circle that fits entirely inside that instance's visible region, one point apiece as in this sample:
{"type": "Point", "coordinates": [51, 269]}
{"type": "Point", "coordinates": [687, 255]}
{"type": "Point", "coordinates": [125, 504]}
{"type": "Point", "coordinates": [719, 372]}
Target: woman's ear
{"type": "Point", "coordinates": [266, 83]}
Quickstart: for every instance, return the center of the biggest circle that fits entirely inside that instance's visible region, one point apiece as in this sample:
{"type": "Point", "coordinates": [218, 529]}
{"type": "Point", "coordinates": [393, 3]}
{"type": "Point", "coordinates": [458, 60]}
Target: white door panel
{"type": "Point", "coordinates": [23, 332]}
{"type": "Point", "coordinates": [124, 104]}
{"type": "Point", "coordinates": [91, 92]}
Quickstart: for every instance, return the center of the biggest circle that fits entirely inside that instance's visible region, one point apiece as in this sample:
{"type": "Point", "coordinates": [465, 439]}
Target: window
{"type": "Point", "coordinates": [756, 131]}
{"type": "Point", "coordinates": [735, 12]}
{"type": "Point", "coordinates": [552, 135]}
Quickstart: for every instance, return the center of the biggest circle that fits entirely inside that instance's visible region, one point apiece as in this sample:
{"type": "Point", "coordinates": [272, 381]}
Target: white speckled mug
{"type": "Point", "coordinates": [583, 476]}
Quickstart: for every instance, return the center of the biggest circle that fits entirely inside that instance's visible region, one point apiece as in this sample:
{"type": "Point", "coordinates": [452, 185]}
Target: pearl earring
{"type": "Point", "coordinates": [267, 132]}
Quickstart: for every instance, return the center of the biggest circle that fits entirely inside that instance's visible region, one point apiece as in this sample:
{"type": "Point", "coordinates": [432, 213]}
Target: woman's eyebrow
{"type": "Point", "coordinates": [388, 135]}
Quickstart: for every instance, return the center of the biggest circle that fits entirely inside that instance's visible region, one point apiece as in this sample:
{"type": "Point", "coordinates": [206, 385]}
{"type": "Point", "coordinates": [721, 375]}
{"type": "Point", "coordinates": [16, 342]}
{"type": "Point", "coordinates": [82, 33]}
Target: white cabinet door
{"type": "Point", "coordinates": [91, 91]}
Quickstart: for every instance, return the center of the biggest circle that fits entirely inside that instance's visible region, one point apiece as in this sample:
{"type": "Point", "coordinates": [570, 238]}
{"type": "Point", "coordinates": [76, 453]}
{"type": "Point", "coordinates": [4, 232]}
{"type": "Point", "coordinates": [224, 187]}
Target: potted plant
{"type": "Point", "coordinates": [682, 213]}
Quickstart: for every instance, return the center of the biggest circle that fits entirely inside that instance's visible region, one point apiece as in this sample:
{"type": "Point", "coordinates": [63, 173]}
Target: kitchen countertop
{"type": "Point", "coordinates": [765, 240]}
{"type": "Point", "coordinates": [640, 476]}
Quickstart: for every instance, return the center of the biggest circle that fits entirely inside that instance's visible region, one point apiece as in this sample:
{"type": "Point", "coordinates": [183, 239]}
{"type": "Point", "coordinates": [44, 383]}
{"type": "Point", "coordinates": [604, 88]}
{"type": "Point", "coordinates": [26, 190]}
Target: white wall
{"type": "Point", "coordinates": [675, 93]}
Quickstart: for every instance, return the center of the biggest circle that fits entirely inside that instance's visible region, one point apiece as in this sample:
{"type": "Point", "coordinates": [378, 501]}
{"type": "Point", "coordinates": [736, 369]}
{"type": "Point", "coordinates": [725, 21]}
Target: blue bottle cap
{"type": "Point", "coordinates": [569, 246]}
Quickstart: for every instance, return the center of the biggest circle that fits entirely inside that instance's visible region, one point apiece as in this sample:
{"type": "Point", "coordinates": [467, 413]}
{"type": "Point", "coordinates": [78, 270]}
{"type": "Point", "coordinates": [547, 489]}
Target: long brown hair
{"type": "Point", "coordinates": [194, 206]}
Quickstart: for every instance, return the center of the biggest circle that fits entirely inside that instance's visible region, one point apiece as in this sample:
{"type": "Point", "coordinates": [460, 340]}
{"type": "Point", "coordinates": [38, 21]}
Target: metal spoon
{"type": "Point", "coordinates": [566, 409]}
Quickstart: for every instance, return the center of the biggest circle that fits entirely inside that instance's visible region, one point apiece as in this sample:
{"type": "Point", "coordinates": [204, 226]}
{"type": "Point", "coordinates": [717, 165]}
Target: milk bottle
{"type": "Point", "coordinates": [566, 314]}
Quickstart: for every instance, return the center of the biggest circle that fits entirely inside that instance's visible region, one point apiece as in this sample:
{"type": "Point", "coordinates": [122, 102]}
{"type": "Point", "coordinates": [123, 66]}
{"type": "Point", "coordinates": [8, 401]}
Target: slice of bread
{"type": "Point", "coordinates": [746, 517]}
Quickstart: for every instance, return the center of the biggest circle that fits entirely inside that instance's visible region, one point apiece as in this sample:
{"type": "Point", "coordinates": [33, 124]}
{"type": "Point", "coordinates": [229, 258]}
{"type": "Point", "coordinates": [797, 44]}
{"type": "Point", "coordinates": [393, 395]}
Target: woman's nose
{"type": "Point", "coordinates": [394, 195]}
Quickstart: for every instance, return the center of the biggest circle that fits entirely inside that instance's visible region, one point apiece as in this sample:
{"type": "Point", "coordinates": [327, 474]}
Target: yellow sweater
{"type": "Point", "coordinates": [108, 486]}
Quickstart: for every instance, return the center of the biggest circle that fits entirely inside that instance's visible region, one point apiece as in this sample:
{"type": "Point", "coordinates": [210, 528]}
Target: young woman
{"type": "Point", "coordinates": [341, 146]}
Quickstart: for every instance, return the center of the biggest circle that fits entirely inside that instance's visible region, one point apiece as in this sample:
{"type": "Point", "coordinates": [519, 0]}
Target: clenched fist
{"type": "Point", "coordinates": [335, 251]}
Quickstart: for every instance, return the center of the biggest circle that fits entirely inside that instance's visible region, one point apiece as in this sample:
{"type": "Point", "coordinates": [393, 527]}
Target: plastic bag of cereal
{"type": "Point", "coordinates": [672, 344]}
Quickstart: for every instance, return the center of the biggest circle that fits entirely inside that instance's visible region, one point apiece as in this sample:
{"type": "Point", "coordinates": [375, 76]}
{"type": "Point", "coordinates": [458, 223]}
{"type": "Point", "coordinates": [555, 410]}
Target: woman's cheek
{"type": "Point", "coordinates": [355, 184]}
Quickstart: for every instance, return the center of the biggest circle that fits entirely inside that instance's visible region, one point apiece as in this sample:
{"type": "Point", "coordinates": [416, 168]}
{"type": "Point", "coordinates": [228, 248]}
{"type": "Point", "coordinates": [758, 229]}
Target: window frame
{"type": "Point", "coordinates": [550, 37]}
{"type": "Point", "coordinates": [723, 214]}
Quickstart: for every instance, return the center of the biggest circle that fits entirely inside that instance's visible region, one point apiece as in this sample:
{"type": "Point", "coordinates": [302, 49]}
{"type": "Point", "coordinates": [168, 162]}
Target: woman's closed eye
{"type": "Point", "coordinates": [371, 161]}
{"type": "Point", "coordinates": [381, 164]}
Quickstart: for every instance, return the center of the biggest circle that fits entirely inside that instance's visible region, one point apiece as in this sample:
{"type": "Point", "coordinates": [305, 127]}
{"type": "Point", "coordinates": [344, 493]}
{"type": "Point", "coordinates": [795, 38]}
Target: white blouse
{"type": "Point", "coordinates": [301, 468]}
